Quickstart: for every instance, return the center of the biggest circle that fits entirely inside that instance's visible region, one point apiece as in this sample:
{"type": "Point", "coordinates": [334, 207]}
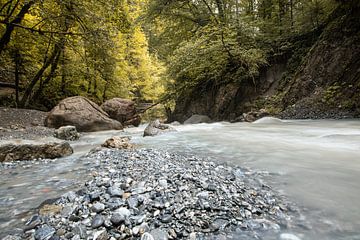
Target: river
{"type": "Point", "coordinates": [315, 163]}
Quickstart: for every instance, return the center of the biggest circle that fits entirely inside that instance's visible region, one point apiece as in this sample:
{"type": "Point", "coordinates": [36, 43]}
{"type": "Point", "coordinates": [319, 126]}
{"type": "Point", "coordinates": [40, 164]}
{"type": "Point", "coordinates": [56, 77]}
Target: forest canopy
{"type": "Point", "coordinates": [146, 50]}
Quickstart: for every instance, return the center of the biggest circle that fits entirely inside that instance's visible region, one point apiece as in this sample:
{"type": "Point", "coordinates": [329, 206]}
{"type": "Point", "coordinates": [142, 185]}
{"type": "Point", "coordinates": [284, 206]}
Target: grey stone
{"type": "Point", "coordinates": [67, 133]}
{"type": "Point", "coordinates": [98, 207]}
{"type": "Point", "coordinates": [45, 232]}
{"type": "Point", "coordinates": [97, 221]}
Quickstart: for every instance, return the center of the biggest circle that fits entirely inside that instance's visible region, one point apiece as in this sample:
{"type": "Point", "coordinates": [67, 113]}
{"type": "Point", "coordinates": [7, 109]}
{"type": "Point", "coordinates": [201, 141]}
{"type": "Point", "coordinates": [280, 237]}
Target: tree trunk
{"type": "Point", "coordinates": [220, 7]}
{"type": "Point", "coordinates": [38, 75]}
{"type": "Point", "coordinates": [291, 13]}
{"type": "Point", "coordinates": [17, 59]}
{"type": "Point", "coordinates": [54, 66]}
{"type": "Point", "coordinates": [5, 38]}
{"type": "Point", "coordinates": [63, 71]}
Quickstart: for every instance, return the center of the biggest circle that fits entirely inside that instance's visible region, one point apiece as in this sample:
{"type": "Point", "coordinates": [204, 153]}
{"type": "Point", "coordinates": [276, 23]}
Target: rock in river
{"type": "Point", "coordinates": [13, 152]}
{"type": "Point", "coordinates": [67, 133]}
{"type": "Point", "coordinates": [118, 142]}
{"type": "Point", "coordinates": [156, 127]}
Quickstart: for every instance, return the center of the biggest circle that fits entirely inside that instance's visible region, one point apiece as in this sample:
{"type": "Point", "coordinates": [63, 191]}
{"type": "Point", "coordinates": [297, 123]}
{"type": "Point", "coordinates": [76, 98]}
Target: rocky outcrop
{"type": "Point", "coordinates": [196, 118]}
{"type": "Point", "coordinates": [312, 75]}
{"type": "Point", "coordinates": [82, 113]}
{"type": "Point", "coordinates": [14, 152]}
{"type": "Point", "coordinates": [156, 127]}
{"type": "Point", "coordinates": [118, 142]}
{"type": "Point", "coordinates": [67, 133]}
{"type": "Point", "coordinates": [329, 79]}
{"type": "Point", "coordinates": [122, 110]}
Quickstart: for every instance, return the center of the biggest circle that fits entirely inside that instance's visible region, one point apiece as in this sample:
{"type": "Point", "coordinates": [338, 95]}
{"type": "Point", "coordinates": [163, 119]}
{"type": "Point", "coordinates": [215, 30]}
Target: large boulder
{"type": "Point", "coordinates": [156, 127]}
{"type": "Point", "coordinates": [196, 118]}
{"type": "Point", "coordinates": [82, 113]}
{"type": "Point", "coordinates": [122, 110]}
{"type": "Point", "coordinates": [14, 152]}
{"type": "Point", "coordinates": [67, 133]}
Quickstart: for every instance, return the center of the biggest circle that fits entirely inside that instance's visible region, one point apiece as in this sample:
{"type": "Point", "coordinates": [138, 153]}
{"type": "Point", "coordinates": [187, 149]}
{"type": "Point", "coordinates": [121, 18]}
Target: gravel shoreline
{"type": "Point", "coordinates": [152, 194]}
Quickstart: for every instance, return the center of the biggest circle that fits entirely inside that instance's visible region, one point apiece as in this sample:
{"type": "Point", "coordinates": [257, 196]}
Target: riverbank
{"type": "Point", "coordinates": [23, 124]}
{"type": "Point", "coordinates": [152, 194]}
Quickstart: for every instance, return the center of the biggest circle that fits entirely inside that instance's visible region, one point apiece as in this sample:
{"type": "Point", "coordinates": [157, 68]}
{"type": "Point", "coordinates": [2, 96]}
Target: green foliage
{"type": "Point", "coordinates": [92, 48]}
{"type": "Point", "coordinates": [215, 54]}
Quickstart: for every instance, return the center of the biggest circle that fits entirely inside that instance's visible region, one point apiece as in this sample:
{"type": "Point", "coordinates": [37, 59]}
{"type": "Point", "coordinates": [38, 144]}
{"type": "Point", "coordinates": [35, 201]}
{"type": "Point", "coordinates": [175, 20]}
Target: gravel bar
{"type": "Point", "coordinates": [151, 194]}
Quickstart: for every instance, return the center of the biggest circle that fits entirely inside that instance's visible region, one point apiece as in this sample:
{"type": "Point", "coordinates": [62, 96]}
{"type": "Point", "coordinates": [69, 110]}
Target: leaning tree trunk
{"type": "Point", "coordinates": [38, 75]}
{"type": "Point", "coordinates": [10, 26]}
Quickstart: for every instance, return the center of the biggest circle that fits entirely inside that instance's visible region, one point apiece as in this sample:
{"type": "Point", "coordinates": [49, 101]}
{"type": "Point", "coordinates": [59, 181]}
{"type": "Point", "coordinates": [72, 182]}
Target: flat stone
{"type": "Point", "coordinates": [45, 232]}
{"type": "Point", "coordinates": [159, 234]}
{"type": "Point", "coordinates": [98, 207]}
{"type": "Point", "coordinates": [117, 219]}
{"type": "Point", "coordinates": [97, 221]}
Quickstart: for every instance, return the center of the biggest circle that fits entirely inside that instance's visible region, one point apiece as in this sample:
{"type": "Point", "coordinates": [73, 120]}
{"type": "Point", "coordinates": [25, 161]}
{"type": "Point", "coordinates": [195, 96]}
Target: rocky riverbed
{"type": "Point", "coordinates": [152, 194]}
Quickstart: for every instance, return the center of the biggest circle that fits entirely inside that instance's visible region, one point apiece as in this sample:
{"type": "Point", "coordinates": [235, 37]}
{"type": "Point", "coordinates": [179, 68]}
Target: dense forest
{"type": "Point", "coordinates": [169, 51]}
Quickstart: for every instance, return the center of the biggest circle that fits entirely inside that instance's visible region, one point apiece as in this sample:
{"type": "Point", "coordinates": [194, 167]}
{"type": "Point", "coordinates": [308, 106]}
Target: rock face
{"type": "Point", "coordinates": [329, 79]}
{"type": "Point", "coordinates": [122, 110]}
{"type": "Point", "coordinates": [194, 119]}
{"type": "Point", "coordinates": [156, 127]}
{"type": "Point", "coordinates": [118, 142]}
{"type": "Point", "coordinates": [12, 152]}
{"type": "Point", "coordinates": [317, 76]}
{"type": "Point", "coordinates": [82, 113]}
{"type": "Point", "coordinates": [67, 133]}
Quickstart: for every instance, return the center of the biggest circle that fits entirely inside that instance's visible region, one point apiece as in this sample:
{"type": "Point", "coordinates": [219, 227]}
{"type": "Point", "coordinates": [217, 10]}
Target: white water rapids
{"type": "Point", "coordinates": [315, 163]}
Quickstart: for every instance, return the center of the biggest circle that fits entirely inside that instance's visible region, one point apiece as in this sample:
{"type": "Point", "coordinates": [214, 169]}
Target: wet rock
{"type": "Point", "coordinates": [44, 232]}
{"type": "Point", "coordinates": [98, 207]}
{"type": "Point", "coordinates": [101, 235]}
{"type": "Point", "coordinates": [159, 234]}
{"type": "Point", "coordinates": [80, 230]}
{"type": "Point", "coordinates": [118, 142]}
{"type": "Point", "coordinates": [97, 221]}
{"type": "Point", "coordinates": [196, 118]}
{"type": "Point", "coordinates": [124, 211]}
{"type": "Point", "coordinates": [117, 219]}
{"type": "Point", "coordinates": [34, 221]}
{"type": "Point", "coordinates": [50, 209]}
{"type": "Point", "coordinates": [115, 192]}
{"type": "Point", "coordinates": [166, 218]}
{"type": "Point", "coordinates": [156, 127]}
{"type": "Point", "coordinates": [132, 202]}
{"type": "Point", "coordinates": [68, 133]}
{"type": "Point", "coordinates": [12, 152]}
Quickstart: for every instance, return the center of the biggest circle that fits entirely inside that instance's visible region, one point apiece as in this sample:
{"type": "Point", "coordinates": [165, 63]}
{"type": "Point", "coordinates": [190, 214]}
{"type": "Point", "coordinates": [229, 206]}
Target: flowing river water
{"type": "Point", "coordinates": [315, 163]}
